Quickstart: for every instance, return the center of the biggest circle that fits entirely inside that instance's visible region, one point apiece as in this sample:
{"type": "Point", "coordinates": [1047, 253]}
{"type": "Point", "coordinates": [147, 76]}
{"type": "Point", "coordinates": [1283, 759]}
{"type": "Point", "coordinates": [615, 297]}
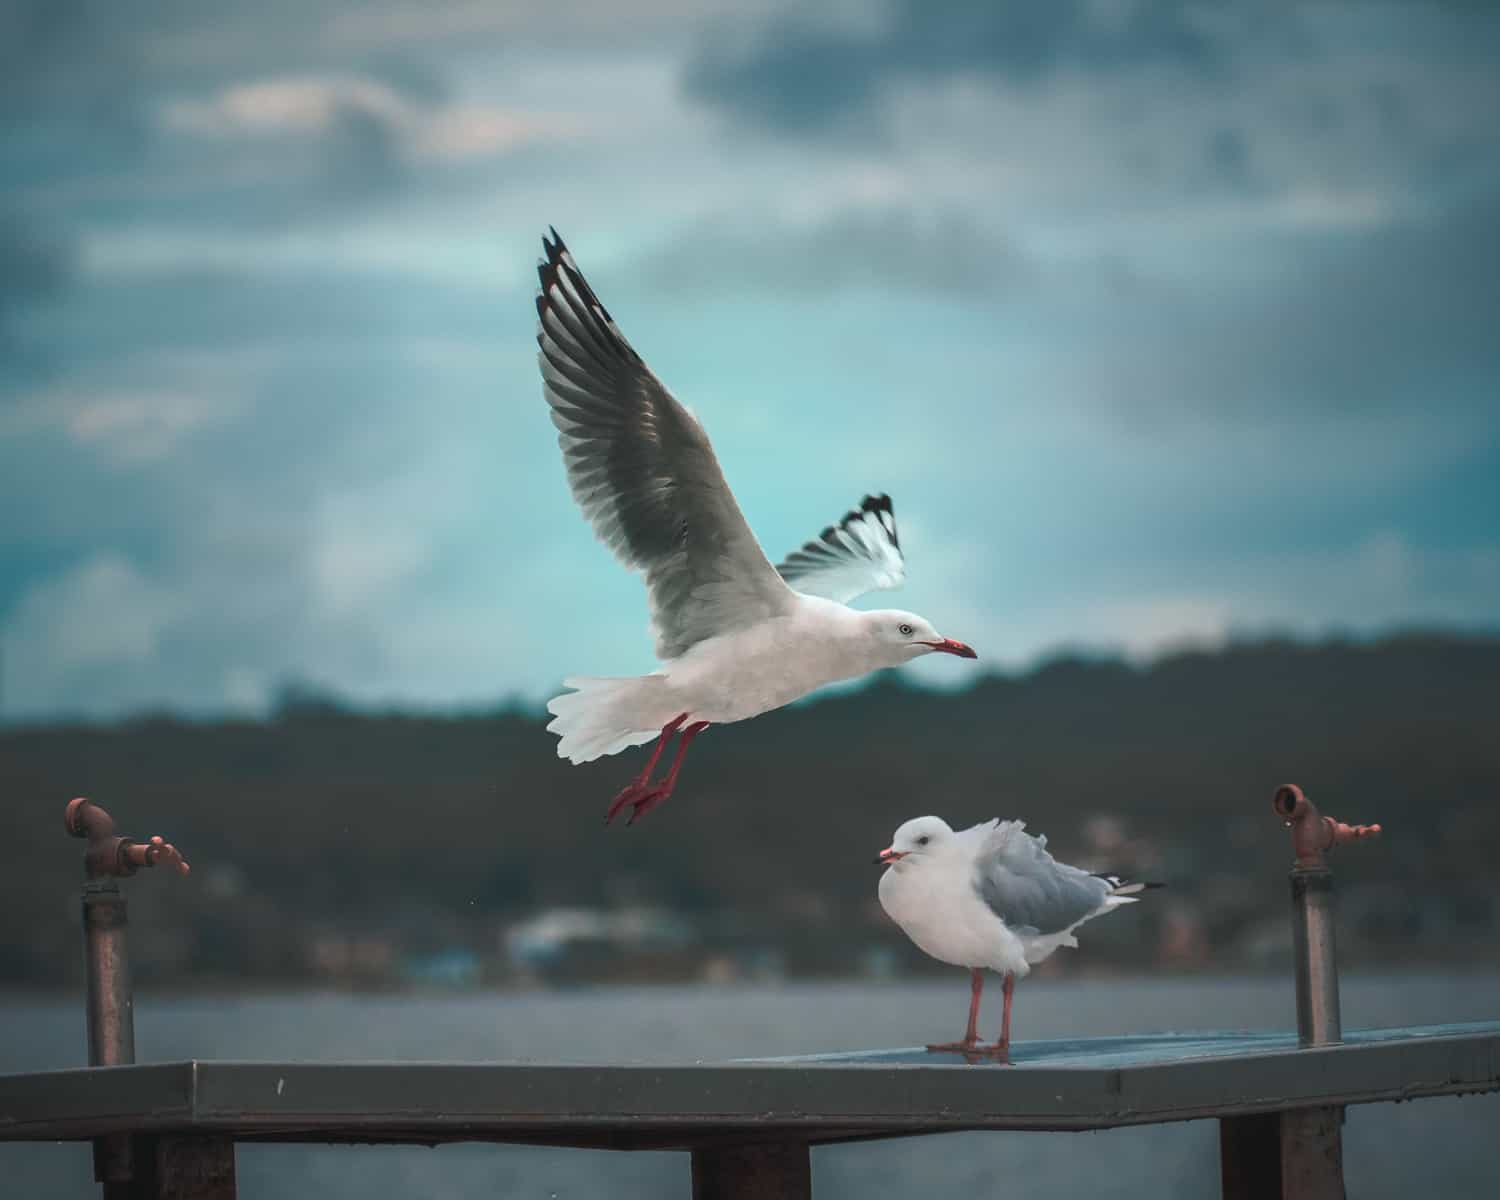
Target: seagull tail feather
{"type": "Point", "coordinates": [603, 716]}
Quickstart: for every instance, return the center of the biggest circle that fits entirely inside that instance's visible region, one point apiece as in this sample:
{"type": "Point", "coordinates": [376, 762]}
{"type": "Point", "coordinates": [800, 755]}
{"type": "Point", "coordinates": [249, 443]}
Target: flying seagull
{"type": "Point", "coordinates": [736, 637]}
{"type": "Point", "coordinates": [990, 897]}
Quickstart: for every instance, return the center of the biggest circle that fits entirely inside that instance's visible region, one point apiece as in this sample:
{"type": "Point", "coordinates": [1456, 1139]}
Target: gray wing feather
{"type": "Point", "coordinates": [1027, 888]}
{"type": "Point", "coordinates": [859, 554]}
{"type": "Point", "coordinates": [642, 469]}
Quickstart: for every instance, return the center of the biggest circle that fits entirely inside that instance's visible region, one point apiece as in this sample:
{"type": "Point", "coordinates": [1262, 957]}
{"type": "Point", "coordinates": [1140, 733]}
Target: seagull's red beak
{"type": "Point", "coordinates": [888, 856]}
{"type": "Point", "coordinates": [949, 646]}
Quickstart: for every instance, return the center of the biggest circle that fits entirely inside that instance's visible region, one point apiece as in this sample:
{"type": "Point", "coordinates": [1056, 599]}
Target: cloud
{"type": "Point", "coordinates": [100, 613]}
{"type": "Point", "coordinates": [1145, 628]}
{"type": "Point", "coordinates": [137, 427]}
{"type": "Point", "coordinates": [35, 269]}
{"type": "Point", "coordinates": [32, 267]}
{"type": "Point", "coordinates": [808, 75]}
{"type": "Point", "coordinates": [369, 127]}
{"type": "Point", "coordinates": [139, 409]}
{"type": "Point", "coordinates": [1140, 314]}
{"type": "Point", "coordinates": [482, 23]}
{"type": "Point", "coordinates": [1386, 321]}
{"type": "Point", "coordinates": [345, 140]}
{"type": "Point", "coordinates": [881, 247]}
{"type": "Point", "coordinates": [1112, 121]}
{"type": "Point", "coordinates": [73, 62]}
{"type": "Point", "coordinates": [1380, 581]}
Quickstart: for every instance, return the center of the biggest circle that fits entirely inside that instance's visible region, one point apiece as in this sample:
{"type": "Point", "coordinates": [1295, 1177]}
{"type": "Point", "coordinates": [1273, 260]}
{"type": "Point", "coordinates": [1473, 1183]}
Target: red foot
{"type": "Point", "coordinates": [640, 797]}
{"type": "Point", "coordinates": [953, 1047]}
{"type": "Point", "coordinates": [638, 793]}
{"type": "Point", "coordinates": [974, 1051]}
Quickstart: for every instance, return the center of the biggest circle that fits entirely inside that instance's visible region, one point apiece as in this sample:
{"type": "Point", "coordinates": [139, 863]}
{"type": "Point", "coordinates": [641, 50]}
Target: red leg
{"type": "Point", "coordinates": [1001, 1049]}
{"type": "Point", "coordinates": [661, 791]}
{"type": "Point", "coordinates": [971, 1036]}
{"type": "Point", "coordinates": [667, 731]}
{"type": "Point", "coordinates": [637, 786]}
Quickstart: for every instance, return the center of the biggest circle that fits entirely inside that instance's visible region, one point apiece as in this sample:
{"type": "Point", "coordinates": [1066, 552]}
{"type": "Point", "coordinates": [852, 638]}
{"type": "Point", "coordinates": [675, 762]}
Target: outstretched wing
{"type": "Point", "coordinates": [860, 554]}
{"type": "Point", "coordinates": [1026, 887]}
{"type": "Point", "coordinates": [641, 468]}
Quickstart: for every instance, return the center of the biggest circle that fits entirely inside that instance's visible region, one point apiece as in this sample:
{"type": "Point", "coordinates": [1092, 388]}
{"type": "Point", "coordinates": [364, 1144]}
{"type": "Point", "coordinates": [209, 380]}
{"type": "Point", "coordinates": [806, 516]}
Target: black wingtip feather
{"type": "Point", "coordinates": [1119, 882]}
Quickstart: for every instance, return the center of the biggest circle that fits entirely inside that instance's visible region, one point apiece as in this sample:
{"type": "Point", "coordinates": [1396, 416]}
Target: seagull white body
{"type": "Point", "coordinates": [738, 675]}
{"type": "Point", "coordinates": [736, 637]}
{"type": "Point", "coordinates": [735, 676]}
{"type": "Point", "coordinates": [990, 898]}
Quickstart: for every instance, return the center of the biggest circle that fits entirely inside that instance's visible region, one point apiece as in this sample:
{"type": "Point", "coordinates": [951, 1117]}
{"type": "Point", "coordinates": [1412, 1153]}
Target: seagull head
{"type": "Point", "coordinates": [899, 637]}
{"type": "Point", "coordinates": [919, 838]}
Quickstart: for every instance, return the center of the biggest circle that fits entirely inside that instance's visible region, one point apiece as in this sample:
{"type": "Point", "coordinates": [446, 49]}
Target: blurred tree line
{"type": "Point", "coordinates": [423, 833]}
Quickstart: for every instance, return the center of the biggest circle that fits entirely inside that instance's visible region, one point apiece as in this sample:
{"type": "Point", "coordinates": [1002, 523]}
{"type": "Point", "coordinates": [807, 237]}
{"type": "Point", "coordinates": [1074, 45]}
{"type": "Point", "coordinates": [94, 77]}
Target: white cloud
{"type": "Point", "coordinates": [100, 614]}
{"type": "Point", "coordinates": [352, 567]}
{"type": "Point", "coordinates": [141, 408]}
{"type": "Point", "coordinates": [247, 690]}
{"type": "Point", "coordinates": [1381, 580]}
{"type": "Point", "coordinates": [317, 106]}
{"type": "Point", "coordinates": [293, 105]}
{"type": "Point", "coordinates": [138, 427]}
{"type": "Point", "coordinates": [386, 23]}
{"type": "Point", "coordinates": [1143, 629]}
{"type": "Point", "coordinates": [1378, 582]}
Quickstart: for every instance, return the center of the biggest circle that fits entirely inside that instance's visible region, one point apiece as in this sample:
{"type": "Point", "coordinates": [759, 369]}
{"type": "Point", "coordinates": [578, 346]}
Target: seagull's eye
{"type": "Point", "coordinates": [904, 629]}
{"type": "Point", "coordinates": [923, 840]}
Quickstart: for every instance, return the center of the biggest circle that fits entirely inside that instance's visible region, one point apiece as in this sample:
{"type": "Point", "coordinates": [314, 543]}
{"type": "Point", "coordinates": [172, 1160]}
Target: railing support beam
{"type": "Point", "coordinates": [1250, 1157]}
{"type": "Point", "coordinates": [753, 1171]}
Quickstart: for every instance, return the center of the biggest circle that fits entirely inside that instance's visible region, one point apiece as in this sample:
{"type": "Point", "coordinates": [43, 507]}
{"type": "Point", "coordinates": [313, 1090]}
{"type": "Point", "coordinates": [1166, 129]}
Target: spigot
{"type": "Point", "coordinates": [1313, 833]}
{"type": "Point", "coordinates": [110, 855]}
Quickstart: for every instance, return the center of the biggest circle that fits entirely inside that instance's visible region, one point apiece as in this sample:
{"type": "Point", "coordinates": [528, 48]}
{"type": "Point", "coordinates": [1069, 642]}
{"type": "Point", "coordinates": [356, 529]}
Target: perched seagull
{"type": "Point", "coordinates": [733, 636]}
{"type": "Point", "coordinates": [989, 897]}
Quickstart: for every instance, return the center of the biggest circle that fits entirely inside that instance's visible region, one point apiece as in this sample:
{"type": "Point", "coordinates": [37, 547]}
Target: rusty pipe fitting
{"type": "Point", "coordinates": [1313, 833]}
{"type": "Point", "coordinates": [109, 855]}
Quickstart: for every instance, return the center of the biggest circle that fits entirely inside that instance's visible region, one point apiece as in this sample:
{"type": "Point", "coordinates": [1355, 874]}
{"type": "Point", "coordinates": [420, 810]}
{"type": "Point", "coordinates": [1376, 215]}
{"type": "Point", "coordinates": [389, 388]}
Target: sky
{"type": "Point", "coordinates": [1163, 325]}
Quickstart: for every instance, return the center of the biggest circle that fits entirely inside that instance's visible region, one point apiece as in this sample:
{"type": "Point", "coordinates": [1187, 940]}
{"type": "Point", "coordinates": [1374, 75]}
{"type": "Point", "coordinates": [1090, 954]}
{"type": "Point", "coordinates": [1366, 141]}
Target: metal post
{"type": "Point", "coordinates": [1250, 1156]}
{"type": "Point", "coordinates": [1298, 1154]}
{"type": "Point", "coordinates": [1312, 1153]}
{"type": "Point", "coordinates": [188, 1167]}
{"type": "Point", "coordinates": [111, 1005]}
{"type": "Point", "coordinates": [1312, 1150]}
{"type": "Point", "coordinates": [753, 1171]}
{"type": "Point", "coordinates": [111, 1017]}
{"type": "Point", "coordinates": [1313, 953]}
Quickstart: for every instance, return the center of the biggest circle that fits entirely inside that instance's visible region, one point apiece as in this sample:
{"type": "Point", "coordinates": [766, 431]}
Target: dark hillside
{"type": "Point", "coordinates": [412, 836]}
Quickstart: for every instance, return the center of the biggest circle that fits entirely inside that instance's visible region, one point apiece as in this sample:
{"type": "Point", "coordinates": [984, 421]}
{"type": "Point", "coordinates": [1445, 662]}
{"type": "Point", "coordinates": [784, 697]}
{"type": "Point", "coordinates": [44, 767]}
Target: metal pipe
{"type": "Point", "coordinates": [1311, 1139]}
{"type": "Point", "coordinates": [110, 1009]}
{"type": "Point", "coordinates": [1313, 948]}
{"type": "Point", "coordinates": [1313, 942]}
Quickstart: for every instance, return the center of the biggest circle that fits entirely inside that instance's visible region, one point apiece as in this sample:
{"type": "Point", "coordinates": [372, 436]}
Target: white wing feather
{"type": "Point", "coordinates": [862, 553]}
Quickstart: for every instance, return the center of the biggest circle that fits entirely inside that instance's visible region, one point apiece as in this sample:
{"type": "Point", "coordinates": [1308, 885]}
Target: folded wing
{"type": "Point", "coordinates": [642, 469]}
{"type": "Point", "coordinates": [1026, 887]}
{"type": "Point", "coordinates": [862, 553]}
